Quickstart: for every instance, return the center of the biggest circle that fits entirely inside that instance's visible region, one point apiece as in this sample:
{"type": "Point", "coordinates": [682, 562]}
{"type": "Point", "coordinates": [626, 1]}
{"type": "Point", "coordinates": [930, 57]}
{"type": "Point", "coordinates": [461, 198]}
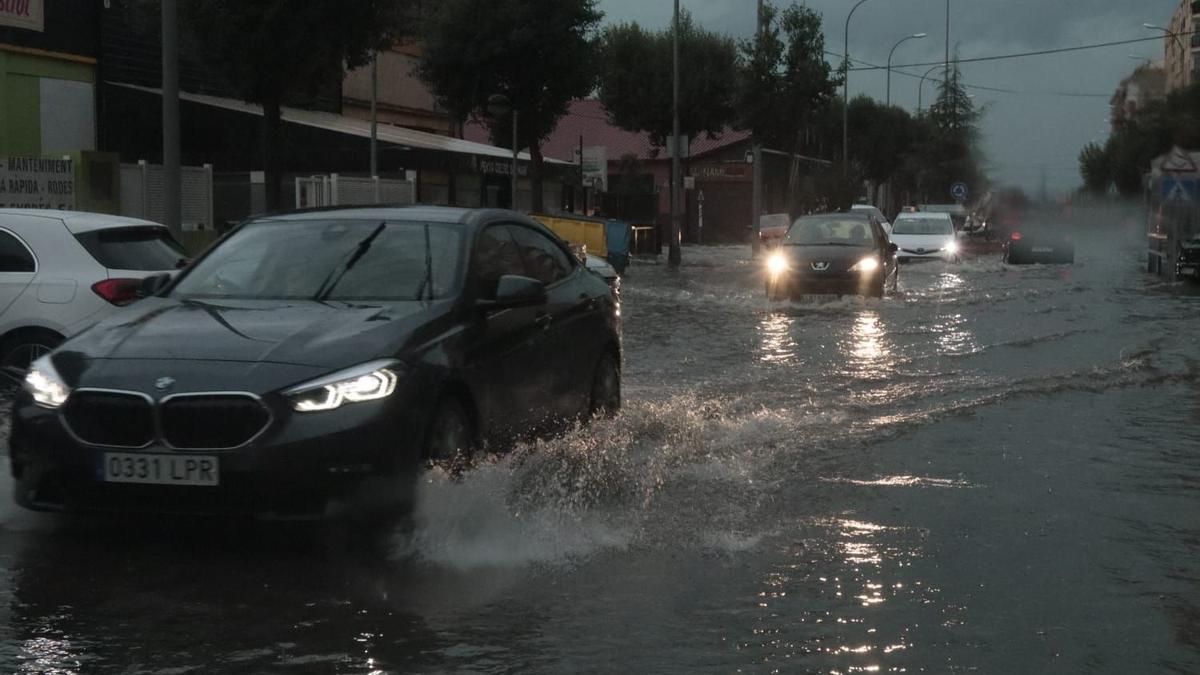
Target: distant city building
{"type": "Point", "coordinates": [1181, 45]}
{"type": "Point", "coordinates": [1145, 84]}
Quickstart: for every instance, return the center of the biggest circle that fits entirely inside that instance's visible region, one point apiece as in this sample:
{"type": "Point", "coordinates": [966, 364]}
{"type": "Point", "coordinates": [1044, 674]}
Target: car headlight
{"type": "Point", "coordinates": [369, 382]}
{"type": "Point", "coordinates": [777, 264]}
{"type": "Point", "coordinates": [45, 384]}
{"type": "Point", "coordinates": [951, 247]}
{"type": "Point", "coordinates": [866, 265]}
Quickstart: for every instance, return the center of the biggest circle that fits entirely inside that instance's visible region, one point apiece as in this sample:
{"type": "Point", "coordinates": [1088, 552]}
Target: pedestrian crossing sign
{"type": "Point", "coordinates": [1179, 190]}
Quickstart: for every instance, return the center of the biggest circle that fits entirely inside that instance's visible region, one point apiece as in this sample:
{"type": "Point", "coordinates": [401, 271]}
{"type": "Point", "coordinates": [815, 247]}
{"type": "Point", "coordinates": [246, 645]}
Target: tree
{"type": "Point", "coordinates": [949, 152]}
{"type": "Point", "coordinates": [635, 79]}
{"type": "Point", "coordinates": [272, 51]}
{"type": "Point", "coordinates": [1095, 165]}
{"type": "Point", "coordinates": [785, 81]}
{"type": "Point", "coordinates": [540, 54]}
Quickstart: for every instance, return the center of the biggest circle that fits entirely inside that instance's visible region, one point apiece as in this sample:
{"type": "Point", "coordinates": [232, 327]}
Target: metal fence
{"type": "Point", "coordinates": [142, 194]}
{"type": "Point", "coordinates": [337, 190]}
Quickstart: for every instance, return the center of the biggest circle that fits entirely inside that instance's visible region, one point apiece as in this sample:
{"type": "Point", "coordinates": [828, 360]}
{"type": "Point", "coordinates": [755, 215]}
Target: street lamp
{"type": "Point", "coordinates": [914, 36]}
{"type": "Point", "coordinates": [921, 85]}
{"type": "Point", "coordinates": [499, 106]}
{"type": "Point", "coordinates": [1172, 33]}
{"type": "Point", "coordinates": [846, 91]}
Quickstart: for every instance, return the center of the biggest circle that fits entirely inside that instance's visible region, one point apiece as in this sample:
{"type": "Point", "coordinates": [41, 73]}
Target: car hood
{"type": "Point", "coordinates": [303, 333]}
{"type": "Point", "coordinates": [839, 258]}
{"type": "Point", "coordinates": [929, 242]}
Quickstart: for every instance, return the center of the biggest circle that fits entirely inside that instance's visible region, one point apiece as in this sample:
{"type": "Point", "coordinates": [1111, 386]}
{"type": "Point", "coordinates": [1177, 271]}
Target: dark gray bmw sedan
{"type": "Point", "coordinates": [311, 359]}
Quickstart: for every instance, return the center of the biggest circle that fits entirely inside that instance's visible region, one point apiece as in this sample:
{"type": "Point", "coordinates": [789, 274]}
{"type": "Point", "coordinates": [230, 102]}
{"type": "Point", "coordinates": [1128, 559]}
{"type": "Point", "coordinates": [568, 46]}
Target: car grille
{"type": "Point", "coordinates": [212, 421]}
{"type": "Point", "coordinates": [110, 418]}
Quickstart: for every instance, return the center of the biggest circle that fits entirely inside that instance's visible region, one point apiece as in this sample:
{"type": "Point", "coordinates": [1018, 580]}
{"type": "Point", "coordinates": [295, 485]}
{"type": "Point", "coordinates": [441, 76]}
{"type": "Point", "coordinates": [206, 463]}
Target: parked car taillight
{"type": "Point", "coordinates": [119, 292]}
{"type": "Point", "coordinates": [1016, 236]}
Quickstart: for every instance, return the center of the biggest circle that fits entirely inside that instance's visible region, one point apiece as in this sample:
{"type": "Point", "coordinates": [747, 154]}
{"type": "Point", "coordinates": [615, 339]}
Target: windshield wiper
{"type": "Point", "coordinates": [427, 281]}
{"type": "Point", "coordinates": [335, 275]}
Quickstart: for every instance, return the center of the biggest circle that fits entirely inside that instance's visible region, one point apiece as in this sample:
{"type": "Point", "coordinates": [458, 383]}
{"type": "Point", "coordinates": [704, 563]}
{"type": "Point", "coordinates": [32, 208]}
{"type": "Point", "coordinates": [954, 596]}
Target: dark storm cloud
{"type": "Point", "coordinates": [1024, 134]}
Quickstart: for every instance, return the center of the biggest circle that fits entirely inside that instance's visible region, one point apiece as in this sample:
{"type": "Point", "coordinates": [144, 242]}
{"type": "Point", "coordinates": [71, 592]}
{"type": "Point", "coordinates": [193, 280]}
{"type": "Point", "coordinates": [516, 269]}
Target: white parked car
{"type": "Point", "coordinates": [883, 221]}
{"type": "Point", "coordinates": [62, 271]}
{"type": "Point", "coordinates": [925, 236]}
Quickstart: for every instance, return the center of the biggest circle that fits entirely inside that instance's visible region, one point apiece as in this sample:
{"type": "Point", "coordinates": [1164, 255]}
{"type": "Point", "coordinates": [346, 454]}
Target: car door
{"type": "Point", "coordinates": [575, 323]}
{"type": "Point", "coordinates": [883, 244]}
{"type": "Point", "coordinates": [17, 268]}
{"type": "Point", "coordinates": [505, 352]}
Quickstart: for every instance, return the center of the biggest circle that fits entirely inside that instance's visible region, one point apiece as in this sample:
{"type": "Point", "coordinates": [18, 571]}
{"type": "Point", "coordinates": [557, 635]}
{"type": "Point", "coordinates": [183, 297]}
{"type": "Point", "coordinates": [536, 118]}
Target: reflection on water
{"type": "Point", "coordinates": [777, 345]}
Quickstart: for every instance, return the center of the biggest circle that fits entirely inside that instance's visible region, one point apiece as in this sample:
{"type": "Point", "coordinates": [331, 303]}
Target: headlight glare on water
{"type": "Point", "coordinates": [44, 383]}
{"type": "Point", "coordinates": [368, 382]}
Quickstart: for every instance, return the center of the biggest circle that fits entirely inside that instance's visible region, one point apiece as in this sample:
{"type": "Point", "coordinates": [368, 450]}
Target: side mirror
{"type": "Point", "coordinates": [518, 291]}
{"type": "Point", "coordinates": [152, 285]}
{"type": "Point", "coordinates": [893, 247]}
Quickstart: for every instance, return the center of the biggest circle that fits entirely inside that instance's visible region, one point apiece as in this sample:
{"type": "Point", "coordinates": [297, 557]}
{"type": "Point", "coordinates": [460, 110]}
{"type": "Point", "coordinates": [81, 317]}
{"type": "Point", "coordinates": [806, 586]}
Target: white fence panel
{"type": "Point", "coordinates": [337, 190]}
{"type": "Point", "coordinates": [142, 187]}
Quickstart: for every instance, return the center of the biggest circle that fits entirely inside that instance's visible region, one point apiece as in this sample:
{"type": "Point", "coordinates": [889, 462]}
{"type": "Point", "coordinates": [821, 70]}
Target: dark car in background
{"type": "Point", "coordinates": [835, 253]}
{"type": "Point", "coordinates": [315, 358]}
{"type": "Point", "coordinates": [1188, 264]}
{"type": "Point", "coordinates": [1035, 241]}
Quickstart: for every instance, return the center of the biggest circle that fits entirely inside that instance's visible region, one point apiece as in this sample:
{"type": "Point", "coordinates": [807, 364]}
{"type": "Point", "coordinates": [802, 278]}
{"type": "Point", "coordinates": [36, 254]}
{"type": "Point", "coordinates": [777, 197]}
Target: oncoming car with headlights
{"type": "Point", "coordinates": [925, 236]}
{"type": "Point", "coordinates": [837, 253]}
{"type": "Point", "coordinates": [317, 359]}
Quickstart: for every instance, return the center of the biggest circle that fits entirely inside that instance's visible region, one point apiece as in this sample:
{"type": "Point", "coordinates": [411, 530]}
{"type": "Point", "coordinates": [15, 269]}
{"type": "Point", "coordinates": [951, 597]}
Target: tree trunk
{"type": "Point", "coordinates": [272, 154]}
{"type": "Point", "coordinates": [535, 177]}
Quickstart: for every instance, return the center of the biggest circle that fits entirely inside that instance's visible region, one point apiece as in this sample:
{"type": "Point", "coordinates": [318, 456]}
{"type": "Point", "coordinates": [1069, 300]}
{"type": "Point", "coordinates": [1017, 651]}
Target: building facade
{"type": "Point", "coordinates": [1180, 46]}
{"type": "Point", "coordinates": [1147, 83]}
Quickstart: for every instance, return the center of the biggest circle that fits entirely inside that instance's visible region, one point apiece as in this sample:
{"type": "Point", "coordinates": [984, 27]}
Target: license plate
{"type": "Point", "coordinates": [1188, 271]}
{"type": "Point", "coordinates": [149, 469]}
{"type": "Point", "coordinates": [1043, 249]}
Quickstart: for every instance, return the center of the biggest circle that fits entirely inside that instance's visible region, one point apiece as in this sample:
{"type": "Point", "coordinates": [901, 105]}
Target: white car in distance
{"type": "Point", "coordinates": [925, 236]}
{"type": "Point", "coordinates": [63, 271]}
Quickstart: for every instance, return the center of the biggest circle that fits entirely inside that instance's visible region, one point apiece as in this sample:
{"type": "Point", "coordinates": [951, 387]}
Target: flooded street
{"type": "Point", "coordinates": [996, 469]}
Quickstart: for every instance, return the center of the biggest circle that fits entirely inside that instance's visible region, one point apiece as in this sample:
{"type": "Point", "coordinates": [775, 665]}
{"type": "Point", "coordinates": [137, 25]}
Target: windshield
{"type": "Point", "coordinates": [829, 231]}
{"type": "Point", "coordinates": [923, 226]}
{"type": "Point", "coordinates": [330, 260]}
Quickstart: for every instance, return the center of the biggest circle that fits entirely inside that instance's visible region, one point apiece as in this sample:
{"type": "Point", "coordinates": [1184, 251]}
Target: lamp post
{"type": "Point", "coordinates": [921, 85]}
{"type": "Point", "coordinates": [914, 36]}
{"type": "Point", "coordinates": [1173, 34]}
{"type": "Point", "coordinates": [498, 106]}
{"type": "Point", "coordinates": [846, 91]}
{"type": "Point", "coordinates": [674, 255]}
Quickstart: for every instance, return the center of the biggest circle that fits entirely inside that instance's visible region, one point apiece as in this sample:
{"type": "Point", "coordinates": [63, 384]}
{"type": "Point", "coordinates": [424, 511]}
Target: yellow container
{"type": "Point", "coordinates": [580, 231]}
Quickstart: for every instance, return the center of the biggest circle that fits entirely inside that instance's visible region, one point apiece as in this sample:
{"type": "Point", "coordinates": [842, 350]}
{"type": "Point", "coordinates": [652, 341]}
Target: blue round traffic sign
{"type": "Point", "coordinates": [959, 191]}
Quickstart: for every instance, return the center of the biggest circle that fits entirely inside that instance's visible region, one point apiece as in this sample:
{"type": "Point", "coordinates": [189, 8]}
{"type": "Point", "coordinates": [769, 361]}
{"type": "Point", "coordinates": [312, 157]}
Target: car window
{"type": "Point", "coordinates": [133, 248]}
{"type": "Point", "coordinates": [544, 259]}
{"type": "Point", "coordinates": [14, 257]}
{"type": "Point", "coordinates": [495, 256]}
{"type": "Point", "coordinates": [357, 260]}
{"type": "Point", "coordinates": [923, 226]}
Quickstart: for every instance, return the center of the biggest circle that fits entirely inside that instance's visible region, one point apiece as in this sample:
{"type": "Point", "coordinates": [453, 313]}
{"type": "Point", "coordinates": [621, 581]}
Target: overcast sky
{"type": "Point", "coordinates": [1023, 133]}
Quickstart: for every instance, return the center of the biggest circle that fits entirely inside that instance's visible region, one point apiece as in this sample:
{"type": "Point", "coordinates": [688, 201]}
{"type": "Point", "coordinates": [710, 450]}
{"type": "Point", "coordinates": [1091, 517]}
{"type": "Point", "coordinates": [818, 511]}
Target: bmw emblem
{"type": "Point", "coordinates": [164, 383]}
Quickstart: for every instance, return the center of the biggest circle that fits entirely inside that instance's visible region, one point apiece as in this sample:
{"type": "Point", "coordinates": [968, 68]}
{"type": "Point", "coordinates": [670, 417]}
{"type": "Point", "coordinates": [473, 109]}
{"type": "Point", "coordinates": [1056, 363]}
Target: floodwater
{"type": "Point", "coordinates": [994, 470]}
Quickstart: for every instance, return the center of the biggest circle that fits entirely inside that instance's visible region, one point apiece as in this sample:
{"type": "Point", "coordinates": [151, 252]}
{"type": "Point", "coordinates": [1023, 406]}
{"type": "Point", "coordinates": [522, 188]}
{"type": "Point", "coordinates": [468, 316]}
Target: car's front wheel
{"type": "Point", "coordinates": [606, 388]}
{"type": "Point", "coordinates": [451, 441]}
{"type": "Point", "coordinates": [22, 348]}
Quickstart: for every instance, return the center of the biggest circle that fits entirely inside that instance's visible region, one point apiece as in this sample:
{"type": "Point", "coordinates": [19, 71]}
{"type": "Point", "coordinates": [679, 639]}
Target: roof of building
{"type": "Point", "coordinates": [588, 119]}
{"type": "Point", "coordinates": [351, 126]}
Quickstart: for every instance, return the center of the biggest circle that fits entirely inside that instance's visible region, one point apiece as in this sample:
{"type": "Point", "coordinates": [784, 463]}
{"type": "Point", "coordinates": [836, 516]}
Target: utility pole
{"type": "Point", "coordinates": [846, 91]}
{"type": "Point", "coordinates": [947, 60]}
{"type": "Point", "coordinates": [516, 151]}
{"type": "Point", "coordinates": [674, 255]}
{"type": "Point", "coordinates": [172, 210]}
{"type": "Point", "coordinates": [757, 197]}
{"type": "Point", "coordinates": [375, 117]}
